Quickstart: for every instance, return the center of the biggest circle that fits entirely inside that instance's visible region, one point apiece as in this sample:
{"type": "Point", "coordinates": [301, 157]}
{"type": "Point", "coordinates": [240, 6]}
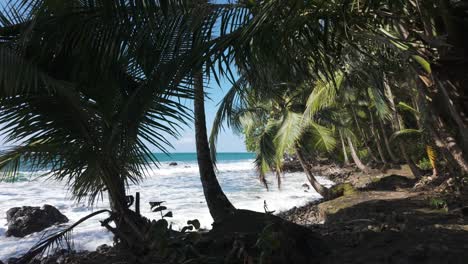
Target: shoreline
{"type": "Point", "coordinates": [384, 213]}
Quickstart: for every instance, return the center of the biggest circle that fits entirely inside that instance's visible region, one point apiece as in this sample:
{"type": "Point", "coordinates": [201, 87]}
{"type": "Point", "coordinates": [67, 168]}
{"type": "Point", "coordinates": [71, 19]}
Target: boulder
{"type": "Point", "coordinates": [25, 220]}
{"type": "Point", "coordinates": [173, 164]}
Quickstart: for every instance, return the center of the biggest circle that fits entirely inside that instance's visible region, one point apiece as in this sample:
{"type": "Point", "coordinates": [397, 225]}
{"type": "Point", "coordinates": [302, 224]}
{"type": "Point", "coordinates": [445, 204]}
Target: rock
{"type": "Point", "coordinates": [306, 186]}
{"type": "Point", "coordinates": [103, 249]}
{"type": "Point", "coordinates": [25, 220]}
{"type": "Point", "coordinates": [12, 260]}
{"type": "Point", "coordinates": [173, 164]}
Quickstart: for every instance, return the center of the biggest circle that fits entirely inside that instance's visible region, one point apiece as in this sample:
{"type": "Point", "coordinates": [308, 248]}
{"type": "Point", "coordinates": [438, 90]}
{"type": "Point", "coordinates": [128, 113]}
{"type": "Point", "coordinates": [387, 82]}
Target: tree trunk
{"type": "Point", "coordinates": [322, 190]}
{"type": "Point", "coordinates": [129, 226]}
{"type": "Point", "coordinates": [387, 143]}
{"type": "Point", "coordinates": [355, 157]}
{"type": "Point", "coordinates": [364, 136]}
{"type": "Point", "coordinates": [218, 204]}
{"type": "Point", "coordinates": [444, 140]}
{"type": "Point", "coordinates": [397, 124]}
{"type": "Point", "coordinates": [462, 128]}
{"type": "Point", "coordinates": [438, 131]}
{"type": "Point", "coordinates": [343, 145]}
{"type": "Point", "coordinates": [414, 169]}
{"type": "Point", "coordinates": [377, 138]}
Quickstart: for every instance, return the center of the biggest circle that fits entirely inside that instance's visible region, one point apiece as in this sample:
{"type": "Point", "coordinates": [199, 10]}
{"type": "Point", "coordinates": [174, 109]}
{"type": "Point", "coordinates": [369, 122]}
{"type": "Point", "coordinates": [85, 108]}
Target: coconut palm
{"type": "Point", "coordinates": [274, 121]}
{"type": "Point", "coordinates": [87, 88]}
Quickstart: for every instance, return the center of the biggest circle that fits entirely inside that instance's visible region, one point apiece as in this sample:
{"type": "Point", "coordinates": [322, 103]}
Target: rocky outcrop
{"type": "Point", "coordinates": [25, 220]}
{"type": "Point", "coordinates": [173, 164]}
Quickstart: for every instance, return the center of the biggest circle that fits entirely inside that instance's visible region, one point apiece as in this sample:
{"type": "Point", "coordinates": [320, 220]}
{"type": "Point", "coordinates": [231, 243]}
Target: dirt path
{"type": "Point", "coordinates": [387, 222]}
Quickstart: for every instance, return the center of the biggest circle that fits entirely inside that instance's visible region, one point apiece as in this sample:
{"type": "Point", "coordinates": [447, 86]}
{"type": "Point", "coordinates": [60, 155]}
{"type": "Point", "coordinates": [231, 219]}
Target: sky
{"type": "Point", "coordinates": [227, 140]}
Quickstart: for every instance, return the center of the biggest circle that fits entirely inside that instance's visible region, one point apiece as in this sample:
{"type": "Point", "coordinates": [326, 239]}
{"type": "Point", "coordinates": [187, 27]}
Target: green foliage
{"type": "Point", "coordinates": [438, 203]}
{"type": "Point", "coordinates": [425, 164]}
{"type": "Point", "coordinates": [172, 246]}
{"type": "Point", "coordinates": [268, 242]}
{"type": "Point", "coordinates": [406, 134]}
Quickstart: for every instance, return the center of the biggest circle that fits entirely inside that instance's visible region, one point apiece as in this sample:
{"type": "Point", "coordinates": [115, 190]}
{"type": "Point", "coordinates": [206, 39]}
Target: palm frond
{"type": "Point", "coordinates": [406, 134]}
{"type": "Point", "coordinates": [56, 240]}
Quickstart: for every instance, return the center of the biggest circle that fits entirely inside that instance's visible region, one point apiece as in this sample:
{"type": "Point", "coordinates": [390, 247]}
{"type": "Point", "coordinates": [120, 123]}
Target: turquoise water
{"type": "Point", "coordinates": [191, 156]}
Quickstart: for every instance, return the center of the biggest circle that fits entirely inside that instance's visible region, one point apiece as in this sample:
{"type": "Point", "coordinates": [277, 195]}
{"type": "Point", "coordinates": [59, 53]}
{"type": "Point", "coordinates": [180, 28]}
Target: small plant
{"type": "Point", "coordinates": [268, 242]}
{"type": "Point", "coordinates": [438, 203]}
{"type": "Point", "coordinates": [159, 208]}
{"type": "Point", "coordinates": [171, 244]}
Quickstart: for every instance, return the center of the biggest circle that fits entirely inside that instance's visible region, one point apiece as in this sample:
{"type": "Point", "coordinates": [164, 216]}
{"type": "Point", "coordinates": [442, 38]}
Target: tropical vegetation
{"type": "Point", "coordinates": [86, 87]}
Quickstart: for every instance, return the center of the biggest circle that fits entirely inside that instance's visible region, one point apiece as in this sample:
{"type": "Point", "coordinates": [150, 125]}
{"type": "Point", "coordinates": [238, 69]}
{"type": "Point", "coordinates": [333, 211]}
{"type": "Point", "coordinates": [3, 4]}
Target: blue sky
{"type": "Point", "coordinates": [227, 140]}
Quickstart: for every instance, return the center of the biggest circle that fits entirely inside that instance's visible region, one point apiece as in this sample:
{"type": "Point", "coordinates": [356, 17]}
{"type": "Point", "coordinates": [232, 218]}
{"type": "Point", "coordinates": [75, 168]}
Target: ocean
{"type": "Point", "coordinates": [179, 186]}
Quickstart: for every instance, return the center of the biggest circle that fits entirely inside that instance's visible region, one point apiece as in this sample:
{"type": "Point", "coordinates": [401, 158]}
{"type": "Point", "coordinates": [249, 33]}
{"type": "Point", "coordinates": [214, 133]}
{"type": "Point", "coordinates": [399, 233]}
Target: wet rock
{"type": "Point", "coordinates": [25, 220]}
{"type": "Point", "coordinates": [173, 164]}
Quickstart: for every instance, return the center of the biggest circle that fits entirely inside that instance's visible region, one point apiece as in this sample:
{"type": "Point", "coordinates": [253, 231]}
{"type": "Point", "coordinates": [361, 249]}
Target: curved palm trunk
{"type": "Point", "coordinates": [377, 138]}
{"type": "Point", "coordinates": [364, 136]}
{"type": "Point", "coordinates": [218, 204]}
{"type": "Point", "coordinates": [355, 157]}
{"type": "Point", "coordinates": [319, 188]}
{"type": "Point", "coordinates": [455, 115]}
{"type": "Point", "coordinates": [439, 132]}
{"type": "Point", "coordinates": [387, 143]}
{"type": "Point", "coordinates": [129, 226]}
{"type": "Point", "coordinates": [343, 145]}
{"type": "Point", "coordinates": [414, 169]}
{"type": "Point", "coordinates": [397, 124]}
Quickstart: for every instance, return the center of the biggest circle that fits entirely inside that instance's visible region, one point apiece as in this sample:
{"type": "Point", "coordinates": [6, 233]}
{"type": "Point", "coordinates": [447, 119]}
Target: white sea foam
{"type": "Point", "coordinates": [178, 185]}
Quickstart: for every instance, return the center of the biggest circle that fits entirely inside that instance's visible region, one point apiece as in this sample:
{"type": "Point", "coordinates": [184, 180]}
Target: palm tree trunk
{"type": "Point", "coordinates": [443, 139]}
{"type": "Point", "coordinates": [355, 157]}
{"type": "Point", "coordinates": [439, 132]}
{"type": "Point", "coordinates": [414, 169]}
{"type": "Point", "coordinates": [343, 145]}
{"type": "Point", "coordinates": [462, 128]}
{"type": "Point", "coordinates": [364, 136]}
{"type": "Point", "coordinates": [377, 138]}
{"type": "Point", "coordinates": [218, 204]}
{"type": "Point", "coordinates": [397, 124]}
{"type": "Point", "coordinates": [319, 188]}
{"type": "Point", "coordinates": [387, 143]}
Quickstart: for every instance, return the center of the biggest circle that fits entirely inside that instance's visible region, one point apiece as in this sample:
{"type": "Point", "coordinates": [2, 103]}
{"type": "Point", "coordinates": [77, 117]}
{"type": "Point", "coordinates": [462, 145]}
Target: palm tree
{"type": "Point", "coordinates": [307, 39]}
{"type": "Point", "coordinates": [87, 87]}
{"type": "Point", "coordinates": [218, 204]}
{"type": "Point", "coordinates": [276, 125]}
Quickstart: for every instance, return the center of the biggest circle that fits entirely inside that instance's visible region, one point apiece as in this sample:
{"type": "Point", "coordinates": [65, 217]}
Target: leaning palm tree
{"type": "Point", "coordinates": [275, 124]}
